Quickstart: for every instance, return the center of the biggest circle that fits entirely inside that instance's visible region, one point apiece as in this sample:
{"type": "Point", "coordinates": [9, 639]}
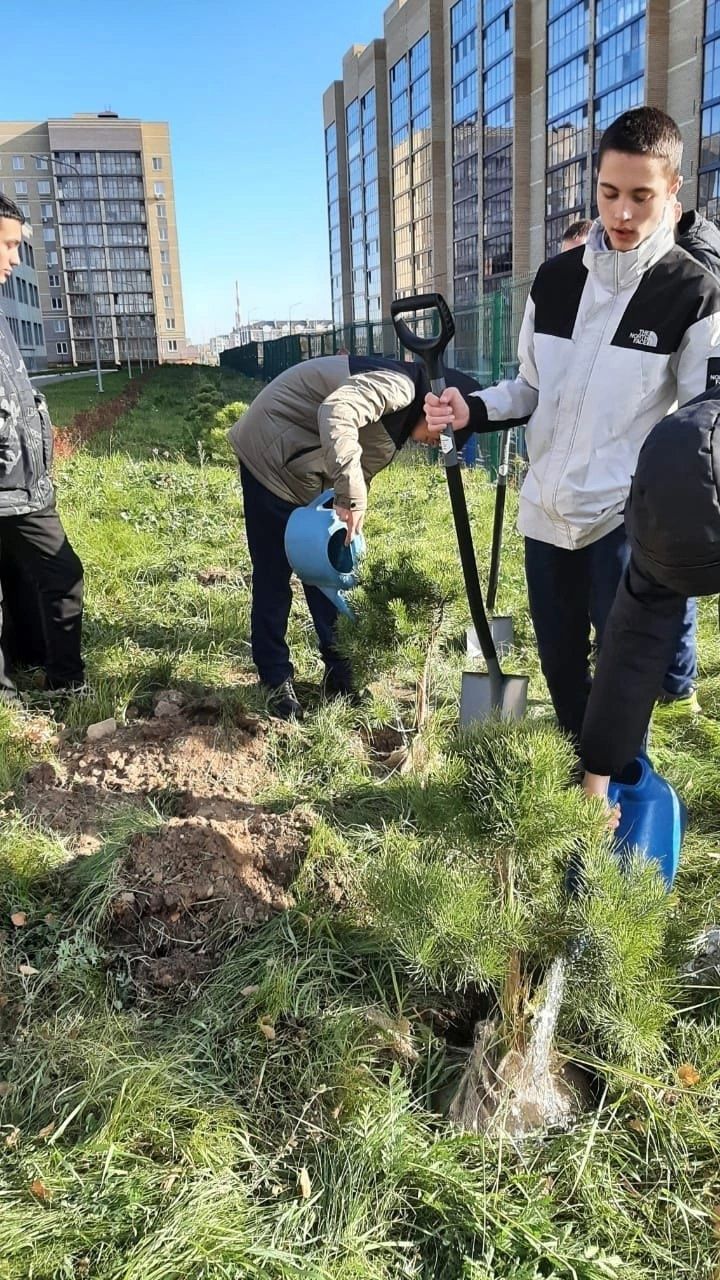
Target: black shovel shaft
{"type": "Point", "coordinates": [500, 495]}
{"type": "Point", "coordinates": [431, 351]}
{"type": "Point", "coordinates": [470, 573]}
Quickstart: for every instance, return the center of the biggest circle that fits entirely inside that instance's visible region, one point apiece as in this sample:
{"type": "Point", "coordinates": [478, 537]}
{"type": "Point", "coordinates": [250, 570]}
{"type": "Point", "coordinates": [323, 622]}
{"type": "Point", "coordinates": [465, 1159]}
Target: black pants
{"type": "Point", "coordinates": [44, 602]}
{"type": "Point", "coordinates": [265, 519]}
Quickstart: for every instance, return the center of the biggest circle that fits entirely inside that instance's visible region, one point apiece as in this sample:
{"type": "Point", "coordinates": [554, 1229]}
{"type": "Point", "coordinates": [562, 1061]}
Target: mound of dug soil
{"type": "Point", "coordinates": [183, 767]}
{"type": "Point", "coordinates": [180, 883]}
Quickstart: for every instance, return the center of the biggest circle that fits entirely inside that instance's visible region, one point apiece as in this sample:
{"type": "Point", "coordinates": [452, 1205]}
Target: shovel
{"type": "Point", "coordinates": [501, 625]}
{"type": "Point", "coordinates": [481, 696]}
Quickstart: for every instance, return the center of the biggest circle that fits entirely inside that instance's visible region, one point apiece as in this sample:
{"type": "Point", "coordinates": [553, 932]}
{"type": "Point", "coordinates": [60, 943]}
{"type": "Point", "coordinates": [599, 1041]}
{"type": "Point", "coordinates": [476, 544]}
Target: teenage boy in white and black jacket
{"type": "Point", "coordinates": [614, 336]}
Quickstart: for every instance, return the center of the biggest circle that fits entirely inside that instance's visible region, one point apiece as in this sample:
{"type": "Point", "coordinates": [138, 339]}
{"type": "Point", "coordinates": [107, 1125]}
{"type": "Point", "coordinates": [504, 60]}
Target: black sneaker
{"type": "Point", "coordinates": [283, 702]}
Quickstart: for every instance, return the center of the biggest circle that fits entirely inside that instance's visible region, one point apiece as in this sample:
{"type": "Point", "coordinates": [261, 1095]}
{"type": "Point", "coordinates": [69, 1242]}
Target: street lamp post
{"type": "Point", "coordinates": [91, 292]}
{"type": "Point", "coordinates": [292, 308]}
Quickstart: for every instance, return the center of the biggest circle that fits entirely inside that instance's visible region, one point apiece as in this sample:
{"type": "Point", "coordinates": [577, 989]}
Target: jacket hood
{"type": "Point", "coordinates": [700, 238]}
{"type": "Point", "coordinates": [616, 271]}
{"type": "Point", "coordinates": [400, 425]}
{"type": "Point", "coordinates": [673, 512]}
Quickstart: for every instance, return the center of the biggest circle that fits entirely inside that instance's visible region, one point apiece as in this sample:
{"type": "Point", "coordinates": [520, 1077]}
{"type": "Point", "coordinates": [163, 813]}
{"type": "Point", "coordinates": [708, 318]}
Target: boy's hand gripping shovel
{"type": "Point", "coordinates": [481, 696]}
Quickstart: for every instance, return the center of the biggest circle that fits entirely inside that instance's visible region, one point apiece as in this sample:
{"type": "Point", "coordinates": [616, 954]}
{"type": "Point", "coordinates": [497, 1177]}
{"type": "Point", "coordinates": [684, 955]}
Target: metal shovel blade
{"type": "Point", "coordinates": [484, 696]}
{"type": "Point", "coordinates": [501, 630]}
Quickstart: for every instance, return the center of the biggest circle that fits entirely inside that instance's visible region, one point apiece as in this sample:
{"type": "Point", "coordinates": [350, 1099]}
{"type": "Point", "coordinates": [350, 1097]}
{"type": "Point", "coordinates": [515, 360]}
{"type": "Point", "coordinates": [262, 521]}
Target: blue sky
{"type": "Point", "coordinates": [241, 86]}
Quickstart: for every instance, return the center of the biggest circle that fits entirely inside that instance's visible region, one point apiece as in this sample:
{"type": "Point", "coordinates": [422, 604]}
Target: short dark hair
{"type": "Point", "coordinates": [578, 229]}
{"type": "Point", "coordinates": [645, 131]}
{"type": "Point", "coordinates": [9, 209]}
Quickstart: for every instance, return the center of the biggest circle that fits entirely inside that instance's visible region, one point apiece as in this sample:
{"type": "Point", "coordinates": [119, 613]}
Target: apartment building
{"type": "Point", "coordinates": [20, 303]}
{"type": "Point", "coordinates": [98, 190]}
{"type": "Point", "coordinates": [495, 110]}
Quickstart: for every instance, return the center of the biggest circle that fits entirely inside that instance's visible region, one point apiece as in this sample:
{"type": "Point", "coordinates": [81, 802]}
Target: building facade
{"type": "Point", "coordinates": [98, 190]}
{"type": "Point", "coordinates": [495, 109]}
{"type": "Point", "coordinates": [20, 304]}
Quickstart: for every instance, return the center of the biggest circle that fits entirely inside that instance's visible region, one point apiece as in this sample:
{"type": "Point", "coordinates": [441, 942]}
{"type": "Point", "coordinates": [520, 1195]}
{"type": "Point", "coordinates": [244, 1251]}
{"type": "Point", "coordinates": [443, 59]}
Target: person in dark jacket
{"type": "Point", "coordinates": [31, 534]}
{"type": "Point", "coordinates": [673, 524]}
{"type": "Point", "coordinates": [698, 237]}
{"type": "Point", "coordinates": [329, 423]}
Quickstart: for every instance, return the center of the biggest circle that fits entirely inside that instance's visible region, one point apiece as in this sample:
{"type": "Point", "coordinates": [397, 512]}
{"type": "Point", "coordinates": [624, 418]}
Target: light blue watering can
{"type": "Point", "coordinates": [315, 548]}
{"type": "Point", "coordinates": [653, 817]}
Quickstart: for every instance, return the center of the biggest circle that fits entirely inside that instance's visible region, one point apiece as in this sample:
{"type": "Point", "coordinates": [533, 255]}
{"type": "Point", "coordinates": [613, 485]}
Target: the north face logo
{"type": "Point", "coordinates": [644, 338]}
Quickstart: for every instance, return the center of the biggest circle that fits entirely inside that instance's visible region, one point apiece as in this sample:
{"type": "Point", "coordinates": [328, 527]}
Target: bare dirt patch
{"type": "Point", "coordinates": [181, 883]}
{"type": "Point", "coordinates": [179, 765]}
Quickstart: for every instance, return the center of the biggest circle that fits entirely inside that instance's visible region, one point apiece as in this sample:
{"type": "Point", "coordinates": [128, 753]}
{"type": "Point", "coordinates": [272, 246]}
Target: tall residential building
{"type": "Point", "coordinates": [495, 112]}
{"type": "Point", "coordinates": [98, 190]}
{"type": "Point", "coordinates": [20, 303]}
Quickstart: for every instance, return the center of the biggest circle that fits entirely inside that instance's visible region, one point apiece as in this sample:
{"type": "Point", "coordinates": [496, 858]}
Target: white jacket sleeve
{"type": "Point", "coordinates": [364, 398]}
{"type": "Point", "coordinates": [697, 363]}
{"type": "Point", "coordinates": [515, 400]}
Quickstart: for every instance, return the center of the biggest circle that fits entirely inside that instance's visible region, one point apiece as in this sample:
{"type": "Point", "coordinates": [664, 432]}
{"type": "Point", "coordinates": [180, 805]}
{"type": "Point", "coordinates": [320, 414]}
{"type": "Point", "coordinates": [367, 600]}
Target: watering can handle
{"type": "Point", "coordinates": [327, 499]}
{"type": "Point", "coordinates": [431, 351]}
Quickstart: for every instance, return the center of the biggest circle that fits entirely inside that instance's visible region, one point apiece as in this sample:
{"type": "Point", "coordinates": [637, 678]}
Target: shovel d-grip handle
{"type": "Point", "coordinates": [431, 351]}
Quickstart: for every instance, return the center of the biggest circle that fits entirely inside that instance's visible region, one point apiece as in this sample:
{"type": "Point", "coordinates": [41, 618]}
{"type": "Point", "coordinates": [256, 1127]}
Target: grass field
{"type": "Point", "coordinates": [194, 1092]}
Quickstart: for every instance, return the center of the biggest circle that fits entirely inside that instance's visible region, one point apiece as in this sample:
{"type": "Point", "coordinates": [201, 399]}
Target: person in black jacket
{"type": "Point", "coordinates": [673, 525]}
{"type": "Point", "coordinates": [31, 534]}
{"type": "Point", "coordinates": [698, 237]}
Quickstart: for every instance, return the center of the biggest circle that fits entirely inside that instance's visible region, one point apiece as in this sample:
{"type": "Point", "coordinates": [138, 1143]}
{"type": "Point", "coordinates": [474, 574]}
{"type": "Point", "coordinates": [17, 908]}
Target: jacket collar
{"type": "Point", "coordinates": [616, 271]}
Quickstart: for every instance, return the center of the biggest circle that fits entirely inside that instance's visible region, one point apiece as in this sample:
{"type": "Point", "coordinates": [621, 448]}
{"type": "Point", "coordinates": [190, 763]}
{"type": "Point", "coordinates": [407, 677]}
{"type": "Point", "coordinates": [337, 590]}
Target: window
{"type": "Point", "coordinates": [170, 323]}
{"type": "Point", "coordinates": [41, 162]}
{"type": "Point", "coordinates": [59, 326]}
{"type": "Point", "coordinates": [43, 188]}
{"type": "Point", "coordinates": [171, 344]}
{"type": "Point", "coordinates": [166, 278]}
{"type": "Point", "coordinates": [157, 162]}
{"type": "Point", "coordinates": [26, 209]}
{"type": "Point", "coordinates": [165, 257]}
{"type": "Point", "coordinates": [168, 302]}
{"type": "Point", "coordinates": [61, 348]}
{"type": "Point", "coordinates": [21, 189]}
{"type": "Point", "coordinates": [18, 162]}
{"type": "Point", "coordinates": [162, 233]}
{"type": "Point", "coordinates": [38, 335]}
{"type": "Point", "coordinates": [159, 188]}
{"type": "Point", "coordinates": [161, 210]}
{"type": "Point", "coordinates": [57, 304]}
{"type": "Point", "coordinates": [49, 234]}
{"type": "Point", "coordinates": [54, 282]}
{"type": "Point", "coordinates": [46, 210]}
{"type": "Point", "coordinates": [52, 259]}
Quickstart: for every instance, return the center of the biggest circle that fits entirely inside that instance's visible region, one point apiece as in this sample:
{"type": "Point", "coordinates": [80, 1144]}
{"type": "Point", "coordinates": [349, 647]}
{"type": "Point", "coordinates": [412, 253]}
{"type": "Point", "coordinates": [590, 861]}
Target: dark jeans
{"type": "Point", "coordinates": [571, 593]}
{"type": "Point", "coordinates": [265, 519]}
{"type": "Point", "coordinates": [44, 604]}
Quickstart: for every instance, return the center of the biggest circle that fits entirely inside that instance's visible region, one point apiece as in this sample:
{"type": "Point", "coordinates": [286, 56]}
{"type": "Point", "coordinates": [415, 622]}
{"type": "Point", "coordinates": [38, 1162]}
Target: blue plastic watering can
{"type": "Point", "coordinates": [653, 817]}
{"type": "Point", "coordinates": [315, 547]}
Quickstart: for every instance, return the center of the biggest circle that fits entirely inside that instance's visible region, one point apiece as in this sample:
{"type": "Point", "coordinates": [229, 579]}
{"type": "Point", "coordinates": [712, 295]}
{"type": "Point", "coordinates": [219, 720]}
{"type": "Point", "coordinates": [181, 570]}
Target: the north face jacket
{"type": "Point", "coordinates": [673, 524]}
{"type": "Point", "coordinates": [333, 423]}
{"type": "Point", "coordinates": [610, 343]}
{"type": "Point", "coordinates": [26, 439]}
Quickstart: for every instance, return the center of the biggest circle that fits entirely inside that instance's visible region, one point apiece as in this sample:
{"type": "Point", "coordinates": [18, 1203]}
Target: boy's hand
{"type": "Point", "coordinates": [595, 787]}
{"type": "Point", "coordinates": [353, 520]}
{"type": "Point", "coordinates": [449, 409]}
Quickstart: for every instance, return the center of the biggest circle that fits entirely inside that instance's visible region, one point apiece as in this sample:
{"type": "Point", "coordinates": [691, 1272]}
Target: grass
{"type": "Point", "coordinates": [177, 1142]}
{"type": "Point", "coordinates": [74, 395]}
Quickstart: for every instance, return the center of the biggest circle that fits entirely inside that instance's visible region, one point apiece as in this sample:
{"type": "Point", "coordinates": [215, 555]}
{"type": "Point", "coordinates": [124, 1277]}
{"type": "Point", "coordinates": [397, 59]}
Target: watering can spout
{"type": "Point", "coordinates": [338, 599]}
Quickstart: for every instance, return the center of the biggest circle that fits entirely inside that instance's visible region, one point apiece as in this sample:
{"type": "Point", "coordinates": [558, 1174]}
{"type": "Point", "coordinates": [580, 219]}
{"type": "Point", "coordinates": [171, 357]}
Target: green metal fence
{"type": "Point", "coordinates": [485, 345]}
